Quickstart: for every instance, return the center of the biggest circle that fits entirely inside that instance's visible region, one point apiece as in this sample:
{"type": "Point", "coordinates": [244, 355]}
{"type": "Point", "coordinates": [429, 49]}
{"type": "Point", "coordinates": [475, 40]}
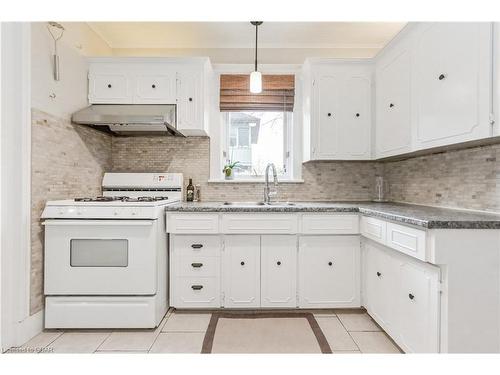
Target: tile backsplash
{"type": "Point", "coordinates": [468, 178]}
{"type": "Point", "coordinates": [67, 161]}
{"type": "Point", "coordinates": [190, 156]}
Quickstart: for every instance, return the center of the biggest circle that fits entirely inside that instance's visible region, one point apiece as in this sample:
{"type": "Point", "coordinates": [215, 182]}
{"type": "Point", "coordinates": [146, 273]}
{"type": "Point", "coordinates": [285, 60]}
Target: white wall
{"type": "Point", "coordinates": [70, 92]}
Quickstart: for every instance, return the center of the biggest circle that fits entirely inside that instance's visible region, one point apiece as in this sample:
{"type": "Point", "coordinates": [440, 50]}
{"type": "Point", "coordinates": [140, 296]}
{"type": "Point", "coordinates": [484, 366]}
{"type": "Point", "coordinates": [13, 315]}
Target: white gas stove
{"type": "Point", "coordinates": [106, 257]}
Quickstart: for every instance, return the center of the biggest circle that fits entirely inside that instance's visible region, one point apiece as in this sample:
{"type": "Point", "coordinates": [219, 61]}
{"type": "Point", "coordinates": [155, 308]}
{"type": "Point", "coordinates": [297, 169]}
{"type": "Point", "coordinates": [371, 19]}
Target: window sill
{"type": "Point", "coordinates": [253, 181]}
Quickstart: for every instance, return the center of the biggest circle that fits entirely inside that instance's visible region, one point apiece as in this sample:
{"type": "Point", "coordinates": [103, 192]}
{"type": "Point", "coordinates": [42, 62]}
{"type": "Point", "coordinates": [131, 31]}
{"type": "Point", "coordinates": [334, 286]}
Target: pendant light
{"type": "Point", "coordinates": [256, 76]}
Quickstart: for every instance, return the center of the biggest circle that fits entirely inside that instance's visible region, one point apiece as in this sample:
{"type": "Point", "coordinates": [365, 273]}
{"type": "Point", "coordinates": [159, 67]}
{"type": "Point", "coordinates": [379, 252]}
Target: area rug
{"type": "Point", "coordinates": [264, 333]}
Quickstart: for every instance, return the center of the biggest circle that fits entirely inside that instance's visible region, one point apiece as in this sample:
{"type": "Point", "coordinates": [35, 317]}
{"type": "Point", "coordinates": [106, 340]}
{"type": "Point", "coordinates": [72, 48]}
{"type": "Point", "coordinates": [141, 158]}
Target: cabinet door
{"type": "Point", "coordinates": [326, 116]}
{"type": "Point", "coordinates": [417, 308]}
{"type": "Point", "coordinates": [189, 100]}
{"type": "Point", "coordinates": [381, 280]}
{"type": "Point", "coordinates": [279, 271]}
{"type": "Point", "coordinates": [393, 124]}
{"type": "Point", "coordinates": [241, 271]}
{"type": "Point", "coordinates": [155, 88]}
{"type": "Point", "coordinates": [355, 119]}
{"type": "Point", "coordinates": [452, 80]}
{"type": "Point", "coordinates": [329, 271]}
{"type": "Point", "coordinates": [115, 88]}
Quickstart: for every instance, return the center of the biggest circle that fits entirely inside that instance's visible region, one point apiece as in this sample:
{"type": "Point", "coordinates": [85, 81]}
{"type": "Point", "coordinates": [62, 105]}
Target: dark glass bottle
{"type": "Point", "coordinates": [190, 191]}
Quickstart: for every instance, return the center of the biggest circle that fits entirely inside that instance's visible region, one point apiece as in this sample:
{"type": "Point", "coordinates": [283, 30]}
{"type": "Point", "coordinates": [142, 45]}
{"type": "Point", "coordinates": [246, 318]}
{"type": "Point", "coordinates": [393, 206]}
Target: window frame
{"type": "Point", "coordinates": [287, 143]}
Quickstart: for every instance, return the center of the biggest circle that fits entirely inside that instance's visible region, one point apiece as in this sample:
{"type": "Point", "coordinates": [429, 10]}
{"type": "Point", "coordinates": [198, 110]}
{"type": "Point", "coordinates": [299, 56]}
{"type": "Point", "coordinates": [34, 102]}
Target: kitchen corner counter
{"type": "Point", "coordinates": [422, 216]}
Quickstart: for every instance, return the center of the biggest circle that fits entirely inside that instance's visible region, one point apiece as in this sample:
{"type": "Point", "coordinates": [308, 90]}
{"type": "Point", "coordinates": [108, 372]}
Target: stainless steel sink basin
{"type": "Point", "coordinates": [246, 204]}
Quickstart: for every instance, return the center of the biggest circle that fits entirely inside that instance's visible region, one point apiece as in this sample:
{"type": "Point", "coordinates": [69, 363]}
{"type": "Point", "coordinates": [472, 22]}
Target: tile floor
{"type": "Point", "coordinates": [346, 332]}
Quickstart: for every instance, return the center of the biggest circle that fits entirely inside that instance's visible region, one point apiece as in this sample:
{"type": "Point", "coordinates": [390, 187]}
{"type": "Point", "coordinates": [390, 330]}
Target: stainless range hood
{"type": "Point", "coordinates": [130, 119]}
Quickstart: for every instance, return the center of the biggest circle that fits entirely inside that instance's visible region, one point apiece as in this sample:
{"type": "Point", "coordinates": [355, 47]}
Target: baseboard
{"type": "Point", "coordinates": [29, 328]}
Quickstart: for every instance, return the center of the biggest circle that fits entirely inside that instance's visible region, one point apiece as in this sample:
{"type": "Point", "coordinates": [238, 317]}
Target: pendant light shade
{"type": "Point", "coordinates": [256, 82]}
{"type": "Point", "coordinates": [256, 76]}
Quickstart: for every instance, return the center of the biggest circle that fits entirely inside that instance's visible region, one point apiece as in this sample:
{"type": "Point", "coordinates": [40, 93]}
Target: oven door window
{"type": "Point", "coordinates": [99, 253]}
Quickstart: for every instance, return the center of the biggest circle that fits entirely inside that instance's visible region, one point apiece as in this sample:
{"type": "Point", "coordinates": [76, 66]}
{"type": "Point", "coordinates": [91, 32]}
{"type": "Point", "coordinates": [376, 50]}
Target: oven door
{"type": "Point", "coordinates": [101, 257]}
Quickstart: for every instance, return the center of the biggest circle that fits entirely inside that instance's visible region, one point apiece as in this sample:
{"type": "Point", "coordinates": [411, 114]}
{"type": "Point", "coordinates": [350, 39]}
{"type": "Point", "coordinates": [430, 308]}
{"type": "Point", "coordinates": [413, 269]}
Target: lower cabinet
{"type": "Point", "coordinates": [241, 271]}
{"type": "Point", "coordinates": [278, 271]}
{"type": "Point", "coordinates": [402, 295]}
{"type": "Point", "coordinates": [329, 271]}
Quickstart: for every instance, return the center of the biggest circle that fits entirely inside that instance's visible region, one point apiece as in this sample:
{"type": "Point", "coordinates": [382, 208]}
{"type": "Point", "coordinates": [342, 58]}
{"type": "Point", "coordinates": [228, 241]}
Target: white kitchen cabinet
{"type": "Point", "coordinates": [393, 120]}
{"type": "Point", "coordinates": [195, 271]}
{"type": "Point", "coordinates": [186, 82]}
{"type": "Point", "coordinates": [337, 110]}
{"type": "Point", "coordinates": [380, 278]}
{"type": "Point", "coordinates": [278, 271]}
{"type": "Point", "coordinates": [417, 307]}
{"type": "Point", "coordinates": [329, 273]}
{"type": "Point", "coordinates": [241, 271]}
{"type": "Point", "coordinates": [156, 88]}
{"type": "Point", "coordinates": [452, 78]}
{"type": "Point", "coordinates": [402, 295]}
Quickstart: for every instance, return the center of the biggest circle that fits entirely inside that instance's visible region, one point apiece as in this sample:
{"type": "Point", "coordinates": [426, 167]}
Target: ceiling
{"type": "Point", "coordinates": [196, 35]}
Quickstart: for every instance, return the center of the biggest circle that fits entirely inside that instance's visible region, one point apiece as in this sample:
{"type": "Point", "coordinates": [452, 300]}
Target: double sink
{"type": "Point", "coordinates": [250, 204]}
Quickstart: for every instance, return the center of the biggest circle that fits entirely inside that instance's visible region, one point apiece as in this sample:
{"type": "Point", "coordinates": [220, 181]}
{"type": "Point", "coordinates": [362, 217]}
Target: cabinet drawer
{"type": "Point", "coordinates": [198, 266]}
{"type": "Point", "coordinates": [408, 240]}
{"type": "Point", "coordinates": [330, 224]}
{"type": "Point", "coordinates": [196, 292]}
{"type": "Point", "coordinates": [192, 223]}
{"type": "Point", "coordinates": [196, 245]}
{"type": "Point", "coordinates": [260, 223]}
{"type": "Point", "coordinates": [374, 229]}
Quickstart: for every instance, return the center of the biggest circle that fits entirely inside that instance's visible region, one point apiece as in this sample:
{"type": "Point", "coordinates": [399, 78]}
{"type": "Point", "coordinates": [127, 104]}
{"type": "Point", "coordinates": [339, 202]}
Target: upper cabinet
{"type": "Point", "coordinates": [337, 110]}
{"type": "Point", "coordinates": [184, 82]}
{"type": "Point", "coordinates": [434, 87]}
{"type": "Point", "coordinates": [393, 122]}
{"type": "Point", "coordinates": [452, 80]}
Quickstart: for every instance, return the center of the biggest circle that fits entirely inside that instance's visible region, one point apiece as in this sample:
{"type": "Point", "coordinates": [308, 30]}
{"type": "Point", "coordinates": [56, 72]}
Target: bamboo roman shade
{"type": "Point", "coordinates": [277, 94]}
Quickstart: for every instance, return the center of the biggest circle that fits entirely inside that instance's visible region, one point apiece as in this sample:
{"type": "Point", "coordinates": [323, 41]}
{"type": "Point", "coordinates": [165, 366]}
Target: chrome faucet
{"type": "Point", "coordinates": [267, 190]}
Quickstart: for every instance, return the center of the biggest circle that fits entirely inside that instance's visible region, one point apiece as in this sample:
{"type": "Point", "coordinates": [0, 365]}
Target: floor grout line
{"type": "Point", "coordinates": [102, 342]}
{"type": "Point", "coordinates": [349, 333]}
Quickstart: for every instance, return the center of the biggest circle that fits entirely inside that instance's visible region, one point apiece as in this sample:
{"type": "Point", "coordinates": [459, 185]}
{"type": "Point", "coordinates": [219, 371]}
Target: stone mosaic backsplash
{"type": "Point", "coordinates": [66, 161]}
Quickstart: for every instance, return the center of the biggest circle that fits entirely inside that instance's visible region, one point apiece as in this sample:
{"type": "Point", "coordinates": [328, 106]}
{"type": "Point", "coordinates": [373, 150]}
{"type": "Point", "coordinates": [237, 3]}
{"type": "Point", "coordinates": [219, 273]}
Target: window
{"type": "Point", "coordinates": [256, 139]}
{"type": "Point", "coordinates": [257, 128]}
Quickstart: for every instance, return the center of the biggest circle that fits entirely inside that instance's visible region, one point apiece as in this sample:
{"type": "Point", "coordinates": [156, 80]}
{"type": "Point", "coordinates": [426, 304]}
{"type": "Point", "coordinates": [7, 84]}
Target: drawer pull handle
{"type": "Point", "coordinates": [329, 114]}
{"type": "Point", "coordinates": [197, 287]}
{"type": "Point", "coordinates": [278, 263]}
{"type": "Point", "coordinates": [357, 114]}
{"type": "Point", "coordinates": [153, 86]}
{"type": "Point", "coordinates": [330, 263]}
{"type": "Point", "coordinates": [109, 85]}
{"type": "Point", "coordinates": [441, 77]}
{"type": "Point", "coordinates": [411, 296]}
{"type": "Point", "coordinates": [242, 263]}
{"type": "Point", "coordinates": [379, 274]}
{"type": "Point", "coordinates": [196, 265]}
{"type": "Point", "coordinates": [197, 246]}
{"type": "Point", "coordinates": [391, 105]}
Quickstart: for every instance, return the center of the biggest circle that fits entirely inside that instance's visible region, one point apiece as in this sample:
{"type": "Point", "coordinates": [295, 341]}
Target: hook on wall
{"type": "Point", "coordinates": [56, 31]}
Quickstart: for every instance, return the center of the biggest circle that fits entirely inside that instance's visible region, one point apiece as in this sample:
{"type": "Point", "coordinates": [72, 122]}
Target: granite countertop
{"type": "Point", "coordinates": [423, 216]}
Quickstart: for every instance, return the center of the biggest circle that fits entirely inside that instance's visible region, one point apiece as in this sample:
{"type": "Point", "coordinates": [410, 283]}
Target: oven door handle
{"type": "Point", "coordinates": [116, 223]}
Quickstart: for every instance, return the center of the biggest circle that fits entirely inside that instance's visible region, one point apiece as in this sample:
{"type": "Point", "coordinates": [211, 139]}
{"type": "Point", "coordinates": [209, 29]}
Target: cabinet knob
{"type": "Point", "coordinates": [411, 296]}
{"type": "Point", "coordinates": [196, 265]}
{"type": "Point", "coordinates": [379, 274]}
{"type": "Point", "coordinates": [109, 85]}
{"type": "Point", "coordinates": [242, 263]}
{"type": "Point", "coordinates": [190, 99]}
{"type": "Point", "coordinates": [441, 77]}
{"type": "Point", "coordinates": [357, 114]}
{"type": "Point", "coordinates": [330, 263]}
{"type": "Point", "coordinates": [329, 114]}
{"type": "Point", "coordinates": [197, 287]}
{"type": "Point", "coordinates": [197, 246]}
{"type": "Point", "coordinates": [153, 86]}
{"type": "Point", "coordinates": [278, 263]}
{"type": "Point", "coordinates": [391, 105]}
